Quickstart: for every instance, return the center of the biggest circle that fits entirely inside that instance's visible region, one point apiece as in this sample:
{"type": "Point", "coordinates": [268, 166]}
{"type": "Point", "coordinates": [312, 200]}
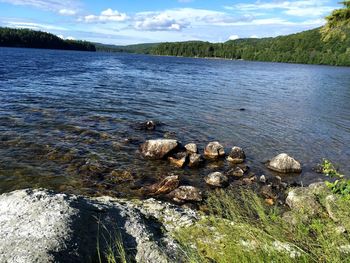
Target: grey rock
{"type": "Point", "coordinates": [191, 148]}
{"type": "Point", "coordinates": [236, 155]}
{"type": "Point", "coordinates": [283, 163]}
{"type": "Point", "coordinates": [332, 207]}
{"type": "Point", "coordinates": [159, 148]}
{"type": "Point", "coordinates": [236, 172]}
{"type": "Point", "coordinates": [263, 179]}
{"type": "Point", "coordinates": [214, 150]}
{"type": "Point", "coordinates": [42, 226]}
{"type": "Point", "coordinates": [216, 179]}
{"type": "Point", "coordinates": [303, 200]}
{"type": "Point", "coordinates": [187, 193]}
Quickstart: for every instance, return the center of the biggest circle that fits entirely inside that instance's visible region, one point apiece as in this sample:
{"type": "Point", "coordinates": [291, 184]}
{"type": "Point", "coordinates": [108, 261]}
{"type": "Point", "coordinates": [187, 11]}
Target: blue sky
{"type": "Point", "coordinates": [140, 21]}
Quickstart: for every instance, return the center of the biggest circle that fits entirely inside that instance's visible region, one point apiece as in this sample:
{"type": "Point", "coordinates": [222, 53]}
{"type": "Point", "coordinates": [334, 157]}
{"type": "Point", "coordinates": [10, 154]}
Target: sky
{"type": "Point", "coordinates": [122, 22]}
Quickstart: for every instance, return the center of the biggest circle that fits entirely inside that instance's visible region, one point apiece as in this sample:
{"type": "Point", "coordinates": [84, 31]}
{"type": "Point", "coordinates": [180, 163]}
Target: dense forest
{"type": "Point", "coordinates": [305, 47]}
{"type": "Point", "coordinates": [137, 48]}
{"type": "Point", "coordinates": [327, 45]}
{"type": "Point", "coordinates": [36, 39]}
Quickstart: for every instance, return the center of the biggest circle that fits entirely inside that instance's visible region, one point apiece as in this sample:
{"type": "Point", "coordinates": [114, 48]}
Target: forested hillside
{"type": "Point", "coordinates": [36, 39]}
{"type": "Point", "coordinates": [305, 47]}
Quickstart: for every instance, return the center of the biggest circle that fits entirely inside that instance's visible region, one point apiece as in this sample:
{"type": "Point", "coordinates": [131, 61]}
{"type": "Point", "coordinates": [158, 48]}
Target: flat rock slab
{"type": "Point", "coordinates": [43, 226]}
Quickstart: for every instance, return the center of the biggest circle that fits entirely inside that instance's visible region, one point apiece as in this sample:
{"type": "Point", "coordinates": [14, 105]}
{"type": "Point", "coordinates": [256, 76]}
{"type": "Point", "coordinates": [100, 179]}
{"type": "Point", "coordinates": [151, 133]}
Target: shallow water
{"type": "Point", "coordinates": [69, 120]}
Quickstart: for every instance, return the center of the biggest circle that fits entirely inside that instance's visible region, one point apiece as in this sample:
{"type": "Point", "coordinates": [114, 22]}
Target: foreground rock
{"type": "Point", "coordinates": [195, 160]}
{"type": "Point", "coordinates": [214, 150]}
{"type": "Point", "coordinates": [179, 159]}
{"type": "Point", "coordinates": [41, 226]}
{"type": "Point", "coordinates": [191, 148]}
{"type": "Point", "coordinates": [237, 155]}
{"type": "Point", "coordinates": [167, 185]}
{"type": "Point", "coordinates": [158, 149]}
{"type": "Point", "coordinates": [283, 163]}
{"type": "Point", "coordinates": [216, 179]}
{"type": "Point", "coordinates": [187, 193]}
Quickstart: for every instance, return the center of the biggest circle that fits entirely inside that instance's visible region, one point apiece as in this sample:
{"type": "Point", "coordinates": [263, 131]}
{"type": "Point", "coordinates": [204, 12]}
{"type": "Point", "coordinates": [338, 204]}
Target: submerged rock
{"type": "Point", "coordinates": [236, 172]}
{"type": "Point", "coordinates": [214, 150]}
{"type": "Point", "coordinates": [159, 148]}
{"type": "Point", "coordinates": [179, 159]}
{"type": "Point", "coordinates": [237, 155]}
{"type": "Point", "coordinates": [283, 163]}
{"type": "Point", "coordinates": [167, 185]}
{"type": "Point", "coordinates": [187, 193]}
{"type": "Point", "coordinates": [216, 179]}
{"type": "Point", "coordinates": [42, 226]}
{"type": "Point", "coordinates": [195, 160]}
{"type": "Point", "coordinates": [191, 148]}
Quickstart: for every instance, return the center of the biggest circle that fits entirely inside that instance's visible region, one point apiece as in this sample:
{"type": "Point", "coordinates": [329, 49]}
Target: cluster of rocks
{"type": "Point", "coordinates": [188, 155]}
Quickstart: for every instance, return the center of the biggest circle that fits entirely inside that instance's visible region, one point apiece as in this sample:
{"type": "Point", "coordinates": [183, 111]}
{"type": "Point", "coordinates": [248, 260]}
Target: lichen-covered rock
{"type": "Point", "coordinates": [159, 148]}
{"type": "Point", "coordinates": [216, 179]}
{"type": "Point", "coordinates": [195, 160]}
{"type": "Point", "coordinates": [187, 193]}
{"type": "Point", "coordinates": [214, 150]}
{"type": "Point", "coordinates": [303, 200]}
{"type": "Point", "coordinates": [42, 226]}
{"type": "Point", "coordinates": [236, 155]}
{"type": "Point", "coordinates": [283, 163]}
{"type": "Point", "coordinates": [191, 148]}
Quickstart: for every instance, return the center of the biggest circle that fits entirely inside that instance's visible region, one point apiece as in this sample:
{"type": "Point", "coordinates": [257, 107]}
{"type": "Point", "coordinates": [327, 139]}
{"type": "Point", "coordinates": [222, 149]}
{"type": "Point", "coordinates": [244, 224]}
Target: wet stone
{"type": "Point", "coordinates": [187, 193]}
{"type": "Point", "coordinates": [195, 160]}
{"type": "Point", "coordinates": [191, 148]}
{"type": "Point", "coordinates": [216, 179]}
{"type": "Point", "coordinates": [214, 150]}
{"type": "Point", "coordinates": [235, 172]}
{"type": "Point", "coordinates": [178, 159]}
{"type": "Point", "coordinates": [237, 155]}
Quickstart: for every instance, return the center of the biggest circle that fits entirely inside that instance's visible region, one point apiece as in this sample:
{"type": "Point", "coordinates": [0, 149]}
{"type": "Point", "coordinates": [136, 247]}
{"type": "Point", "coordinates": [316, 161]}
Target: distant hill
{"type": "Point", "coordinates": [306, 47]}
{"type": "Point", "coordinates": [137, 48]}
{"type": "Point", "coordinates": [27, 38]}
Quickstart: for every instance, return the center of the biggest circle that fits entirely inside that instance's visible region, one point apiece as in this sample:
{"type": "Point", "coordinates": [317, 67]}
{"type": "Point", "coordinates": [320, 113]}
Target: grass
{"type": "Point", "coordinates": [115, 251]}
{"type": "Point", "coordinates": [240, 227]}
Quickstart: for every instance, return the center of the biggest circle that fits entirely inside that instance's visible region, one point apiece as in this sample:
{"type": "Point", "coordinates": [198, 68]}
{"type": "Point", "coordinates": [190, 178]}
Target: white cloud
{"type": "Point", "coordinates": [108, 15]}
{"type": "Point", "coordinates": [32, 25]}
{"type": "Point", "coordinates": [233, 37]}
{"type": "Point", "coordinates": [62, 7]}
{"type": "Point", "coordinates": [67, 12]}
{"type": "Point", "coordinates": [161, 22]}
{"type": "Point", "coordinates": [293, 8]}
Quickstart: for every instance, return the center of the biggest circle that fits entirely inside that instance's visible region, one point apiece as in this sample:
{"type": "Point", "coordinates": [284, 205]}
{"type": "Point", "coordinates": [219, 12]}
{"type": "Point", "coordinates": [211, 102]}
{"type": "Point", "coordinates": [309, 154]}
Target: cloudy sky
{"type": "Point", "coordinates": [140, 21]}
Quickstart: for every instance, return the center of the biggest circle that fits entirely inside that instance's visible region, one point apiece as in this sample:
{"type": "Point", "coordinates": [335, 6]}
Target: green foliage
{"type": "Point", "coordinates": [138, 48]}
{"type": "Point", "coordinates": [340, 186]}
{"type": "Point", "coordinates": [27, 38]}
{"type": "Point", "coordinates": [306, 47]}
{"type": "Point", "coordinates": [240, 227]}
{"type": "Point", "coordinates": [338, 24]}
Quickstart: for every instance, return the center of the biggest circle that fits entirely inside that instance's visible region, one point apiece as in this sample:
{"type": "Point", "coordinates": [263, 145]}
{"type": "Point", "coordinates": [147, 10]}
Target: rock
{"type": "Point", "coordinates": [269, 201]}
{"type": "Point", "coordinates": [191, 148]}
{"type": "Point", "coordinates": [158, 149]}
{"type": "Point", "coordinates": [302, 199]}
{"type": "Point", "coordinates": [178, 160]}
{"type": "Point", "coordinates": [167, 185]}
{"type": "Point", "coordinates": [42, 226]}
{"type": "Point", "coordinates": [187, 193]}
{"type": "Point", "coordinates": [146, 126]}
{"type": "Point", "coordinates": [267, 192]}
{"type": "Point", "coordinates": [284, 164]}
{"type": "Point", "coordinates": [236, 172]}
{"type": "Point", "coordinates": [195, 160]}
{"type": "Point", "coordinates": [332, 207]}
{"type": "Point", "coordinates": [216, 179]}
{"type": "Point", "coordinates": [237, 155]}
{"type": "Point", "coordinates": [214, 150]}
{"type": "Point", "coordinates": [263, 179]}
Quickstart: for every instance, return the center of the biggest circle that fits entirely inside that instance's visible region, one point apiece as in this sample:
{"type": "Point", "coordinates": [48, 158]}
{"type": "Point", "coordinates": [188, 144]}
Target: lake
{"type": "Point", "coordinates": [69, 121]}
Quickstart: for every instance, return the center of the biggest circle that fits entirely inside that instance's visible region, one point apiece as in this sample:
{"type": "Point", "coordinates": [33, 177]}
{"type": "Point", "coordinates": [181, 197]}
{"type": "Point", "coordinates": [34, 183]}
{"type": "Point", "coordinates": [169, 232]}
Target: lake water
{"type": "Point", "coordinates": [69, 120]}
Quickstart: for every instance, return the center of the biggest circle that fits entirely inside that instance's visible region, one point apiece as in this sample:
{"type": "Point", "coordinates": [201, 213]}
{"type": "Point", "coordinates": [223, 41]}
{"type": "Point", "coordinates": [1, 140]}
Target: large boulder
{"type": "Point", "coordinates": [214, 150]}
{"type": "Point", "coordinates": [159, 148]}
{"type": "Point", "coordinates": [42, 226]}
{"type": "Point", "coordinates": [283, 163]}
{"type": "Point", "coordinates": [216, 179]}
{"type": "Point", "coordinates": [236, 155]}
{"type": "Point", "coordinates": [302, 199]}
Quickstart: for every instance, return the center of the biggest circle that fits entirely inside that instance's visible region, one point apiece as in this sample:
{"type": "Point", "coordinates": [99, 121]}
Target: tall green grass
{"type": "Point", "coordinates": [240, 227]}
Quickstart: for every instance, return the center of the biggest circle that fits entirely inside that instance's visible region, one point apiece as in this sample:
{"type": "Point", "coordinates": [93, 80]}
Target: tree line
{"type": "Point", "coordinates": [28, 38]}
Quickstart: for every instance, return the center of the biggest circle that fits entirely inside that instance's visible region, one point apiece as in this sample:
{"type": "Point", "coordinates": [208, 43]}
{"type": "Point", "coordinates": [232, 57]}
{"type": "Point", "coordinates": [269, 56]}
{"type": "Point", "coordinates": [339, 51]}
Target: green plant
{"type": "Point", "coordinates": [240, 227]}
{"type": "Point", "coordinates": [328, 169]}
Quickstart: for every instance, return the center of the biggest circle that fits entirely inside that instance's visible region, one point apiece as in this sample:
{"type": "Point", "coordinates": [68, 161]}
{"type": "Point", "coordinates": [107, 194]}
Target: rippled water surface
{"type": "Point", "coordinates": [69, 120]}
